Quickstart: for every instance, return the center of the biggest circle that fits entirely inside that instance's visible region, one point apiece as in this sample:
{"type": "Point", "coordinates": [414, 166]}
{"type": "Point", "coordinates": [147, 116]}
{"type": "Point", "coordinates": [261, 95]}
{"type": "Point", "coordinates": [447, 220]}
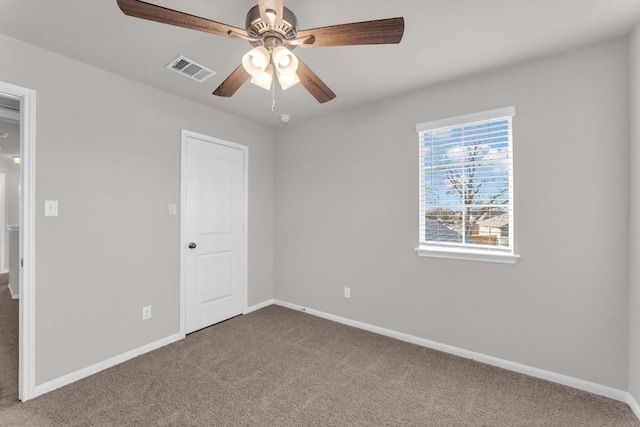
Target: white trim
{"type": "Point", "coordinates": [633, 405]}
{"type": "Point", "coordinates": [257, 307]}
{"type": "Point", "coordinates": [467, 118]}
{"type": "Point", "coordinates": [466, 254]}
{"type": "Point", "coordinates": [27, 331]}
{"type": "Point", "coordinates": [183, 234]}
{"type": "Point", "coordinates": [579, 384]}
{"type": "Point", "coordinates": [185, 134]}
{"type": "Point", "coordinates": [245, 289]}
{"type": "Point", "coordinates": [101, 366]}
{"type": "Point", "coordinates": [14, 294]}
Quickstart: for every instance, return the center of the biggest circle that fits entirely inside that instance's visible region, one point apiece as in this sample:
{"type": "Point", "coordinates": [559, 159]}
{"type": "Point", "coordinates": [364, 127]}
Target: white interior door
{"type": "Point", "coordinates": [215, 210]}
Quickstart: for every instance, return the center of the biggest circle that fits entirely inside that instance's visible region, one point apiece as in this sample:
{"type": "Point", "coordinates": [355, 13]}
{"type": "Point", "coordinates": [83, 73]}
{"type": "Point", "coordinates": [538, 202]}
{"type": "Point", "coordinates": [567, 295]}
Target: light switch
{"type": "Point", "coordinates": [50, 208]}
{"type": "Point", "coordinates": [172, 209]}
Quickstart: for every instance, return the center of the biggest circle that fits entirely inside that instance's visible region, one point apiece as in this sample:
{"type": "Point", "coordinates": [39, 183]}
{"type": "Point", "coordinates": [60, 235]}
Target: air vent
{"type": "Point", "coordinates": [190, 69]}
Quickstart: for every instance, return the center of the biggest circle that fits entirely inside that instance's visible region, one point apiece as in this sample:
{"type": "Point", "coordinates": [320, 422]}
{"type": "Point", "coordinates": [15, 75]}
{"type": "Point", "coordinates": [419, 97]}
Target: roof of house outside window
{"type": "Point", "coordinates": [495, 221]}
{"type": "Point", "coordinates": [436, 231]}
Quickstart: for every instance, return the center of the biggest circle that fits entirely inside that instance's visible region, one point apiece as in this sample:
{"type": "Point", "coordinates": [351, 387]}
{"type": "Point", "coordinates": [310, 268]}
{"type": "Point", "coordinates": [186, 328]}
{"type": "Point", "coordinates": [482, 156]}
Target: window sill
{"type": "Point", "coordinates": [466, 254]}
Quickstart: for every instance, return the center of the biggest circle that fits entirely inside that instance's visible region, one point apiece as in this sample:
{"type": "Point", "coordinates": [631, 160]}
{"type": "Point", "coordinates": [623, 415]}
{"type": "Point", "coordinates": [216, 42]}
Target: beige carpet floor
{"type": "Point", "coordinates": [279, 367]}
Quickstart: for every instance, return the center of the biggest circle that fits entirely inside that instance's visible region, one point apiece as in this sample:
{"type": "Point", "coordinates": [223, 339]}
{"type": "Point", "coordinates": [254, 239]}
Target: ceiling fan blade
{"type": "Point", "coordinates": [276, 5]}
{"type": "Point", "coordinates": [381, 31]}
{"type": "Point", "coordinates": [151, 12]}
{"type": "Point", "coordinates": [233, 82]}
{"type": "Point", "coordinates": [313, 84]}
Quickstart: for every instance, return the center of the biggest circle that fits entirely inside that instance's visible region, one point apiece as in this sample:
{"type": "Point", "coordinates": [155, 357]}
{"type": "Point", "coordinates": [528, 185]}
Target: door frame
{"type": "Point", "coordinates": [186, 134]}
{"type": "Point", "coordinates": [27, 301]}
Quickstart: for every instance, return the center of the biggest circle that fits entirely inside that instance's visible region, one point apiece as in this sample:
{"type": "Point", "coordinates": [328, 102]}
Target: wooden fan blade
{"type": "Point", "coordinates": [381, 31]}
{"type": "Point", "coordinates": [233, 82]}
{"type": "Point", "coordinates": [151, 12]}
{"type": "Point", "coordinates": [313, 84]}
{"type": "Point", "coordinates": [276, 5]}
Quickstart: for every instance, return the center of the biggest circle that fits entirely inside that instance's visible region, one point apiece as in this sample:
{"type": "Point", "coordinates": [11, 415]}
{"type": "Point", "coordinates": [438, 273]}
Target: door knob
{"type": "Point", "coordinates": [192, 245]}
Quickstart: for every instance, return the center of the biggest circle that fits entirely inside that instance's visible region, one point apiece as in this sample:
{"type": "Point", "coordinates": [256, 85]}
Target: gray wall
{"type": "Point", "coordinates": [347, 215]}
{"type": "Point", "coordinates": [634, 289]}
{"type": "Point", "coordinates": [108, 150]}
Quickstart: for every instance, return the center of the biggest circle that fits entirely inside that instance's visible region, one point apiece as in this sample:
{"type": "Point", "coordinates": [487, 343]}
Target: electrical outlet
{"type": "Point", "coordinates": [347, 292]}
{"type": "Point", "coordinates": [146, 312]}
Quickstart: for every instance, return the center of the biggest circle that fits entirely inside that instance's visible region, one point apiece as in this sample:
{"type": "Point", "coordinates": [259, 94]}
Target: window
{"type": "Point", "coordinates": [466, 187]}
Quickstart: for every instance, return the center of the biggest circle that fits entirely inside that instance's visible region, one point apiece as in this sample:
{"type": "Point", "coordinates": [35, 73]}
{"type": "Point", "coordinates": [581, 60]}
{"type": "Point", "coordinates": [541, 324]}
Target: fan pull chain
{"type": "Point", "coordinates": [273, 97]}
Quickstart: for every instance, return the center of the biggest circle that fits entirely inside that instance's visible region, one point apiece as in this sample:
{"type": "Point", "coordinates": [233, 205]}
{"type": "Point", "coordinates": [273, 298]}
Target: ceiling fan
{"type": "Point", "coordinates": [273, 31]}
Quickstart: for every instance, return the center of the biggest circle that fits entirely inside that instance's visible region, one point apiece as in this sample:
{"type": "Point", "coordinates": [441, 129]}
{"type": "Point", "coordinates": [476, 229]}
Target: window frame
{"type": "Point", "coordinates": [465, 251]}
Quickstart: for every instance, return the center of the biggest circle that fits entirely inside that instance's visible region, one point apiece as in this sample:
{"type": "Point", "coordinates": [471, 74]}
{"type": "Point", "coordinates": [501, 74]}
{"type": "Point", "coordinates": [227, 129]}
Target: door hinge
{"type": "Point", "coordinates": [21, 263]}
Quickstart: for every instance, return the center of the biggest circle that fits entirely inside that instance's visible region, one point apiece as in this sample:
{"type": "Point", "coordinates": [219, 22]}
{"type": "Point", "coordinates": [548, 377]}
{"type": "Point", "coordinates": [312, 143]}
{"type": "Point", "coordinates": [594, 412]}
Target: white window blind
{"type": "Point", "coordinates": [466, 182]}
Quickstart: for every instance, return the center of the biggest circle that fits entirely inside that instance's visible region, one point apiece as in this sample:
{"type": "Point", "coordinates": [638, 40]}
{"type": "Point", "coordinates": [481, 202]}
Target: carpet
{"type": "Point", "coordinates": [280, 367]}
{"type": "Point", "coordinates": [8, 345]}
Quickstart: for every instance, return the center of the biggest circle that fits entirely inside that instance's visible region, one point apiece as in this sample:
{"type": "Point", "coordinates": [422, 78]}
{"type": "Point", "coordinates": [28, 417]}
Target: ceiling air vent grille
{"type": "Point", "coordinates": [191, 69]}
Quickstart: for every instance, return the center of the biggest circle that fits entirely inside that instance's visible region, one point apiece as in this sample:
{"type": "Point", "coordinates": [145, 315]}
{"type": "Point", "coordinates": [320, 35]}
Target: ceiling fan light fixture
{"type": "Point", "coordinates": [270, 25]}
{"type": "Point", "coordinates": [284, 60]}
{"type": "Point", "coordinates": [265, 78]}
{"type": "Point", "coordinates": [256, 61]}
{"type": "Point", "coordinates": [287, 80]}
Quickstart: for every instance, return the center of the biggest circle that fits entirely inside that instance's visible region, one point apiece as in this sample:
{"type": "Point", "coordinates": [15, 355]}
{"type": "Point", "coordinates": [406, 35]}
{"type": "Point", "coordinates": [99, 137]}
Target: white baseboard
{"type": "Point", "coordinates": [633, 405]}
{"type": "Point", "coordinates": [94, 369]}
{"type": "Point", "coordinates": [579, 384]}
{"type": "Point", "coordinates": [256, 307]}
{"type": "Point", "coordinates": [101, 366]}
{"type": "Point", "coordinates": [14, 293]}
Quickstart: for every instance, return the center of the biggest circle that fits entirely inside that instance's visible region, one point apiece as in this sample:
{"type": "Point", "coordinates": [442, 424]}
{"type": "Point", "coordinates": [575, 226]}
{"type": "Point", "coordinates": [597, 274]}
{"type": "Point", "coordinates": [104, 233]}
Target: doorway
{"type": "Point", "coordinates": [9, 192]}
{"type": "Point", "coordinates": [25, 100]}
{"type": "Point", "coordinates": [214, 230]}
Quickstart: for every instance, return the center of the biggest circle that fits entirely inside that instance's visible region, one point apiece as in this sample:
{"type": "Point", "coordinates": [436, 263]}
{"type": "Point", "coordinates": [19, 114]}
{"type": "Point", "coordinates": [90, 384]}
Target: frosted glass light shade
{"type": "Point", "coordinates": [287, 80]}
{"type": "Point", "coordinates": [265, 78]}
{"type": "Point", "coordinates": [285, 61]}
{"type": "Point", "coordinates": [256, 61]}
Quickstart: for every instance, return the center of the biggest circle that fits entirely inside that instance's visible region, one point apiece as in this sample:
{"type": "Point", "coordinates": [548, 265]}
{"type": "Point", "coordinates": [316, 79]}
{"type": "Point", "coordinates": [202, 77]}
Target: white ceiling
{"type": "Point", "coordinates": [443, 39]}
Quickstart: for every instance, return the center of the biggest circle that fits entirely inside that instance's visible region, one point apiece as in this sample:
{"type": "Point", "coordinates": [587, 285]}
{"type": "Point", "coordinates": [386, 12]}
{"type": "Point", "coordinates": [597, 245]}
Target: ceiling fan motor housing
{"type": "Point", "coordinates": [257, 28]}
